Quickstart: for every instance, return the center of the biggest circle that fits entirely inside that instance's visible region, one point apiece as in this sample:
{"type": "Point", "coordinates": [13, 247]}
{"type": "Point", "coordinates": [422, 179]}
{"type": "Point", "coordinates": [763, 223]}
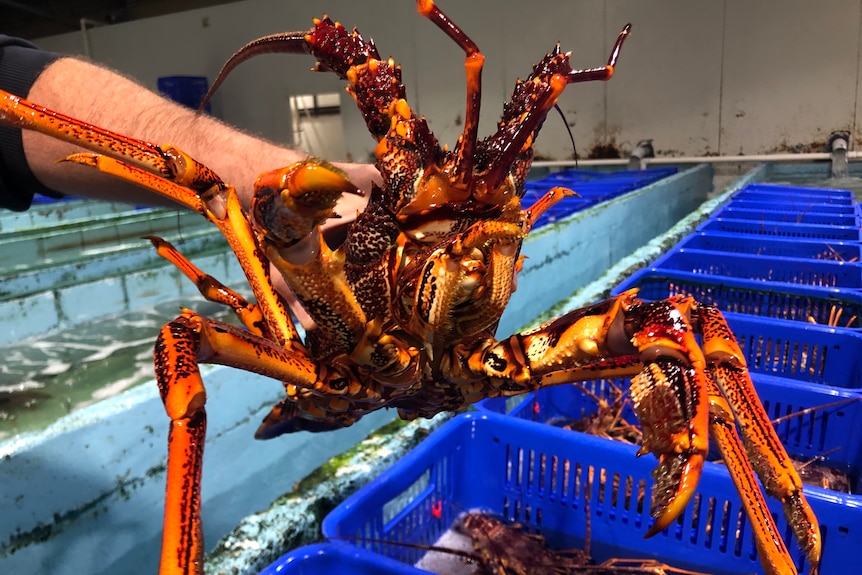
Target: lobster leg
{"type": "Point", "coordinates": [212, 289]}
{"type": "Point", "coordinates": [182, 344]}
{"type": "Point", "coordinates": [166, 161]}
{"type": "Point", "coordinates": [228, 216]}
{"type": "Point", "coordinates": [173, 174]}
{"type": "Point", "coordinates": [290, 203]}
{"type": "Point", "coordinates": [671, 401]}
{"type": "Point", "coordinates": [770, 545]}
{"type": "Point", "coordinates": [762, 444]}
{"type": "Point", "coordinates": [323, 290]}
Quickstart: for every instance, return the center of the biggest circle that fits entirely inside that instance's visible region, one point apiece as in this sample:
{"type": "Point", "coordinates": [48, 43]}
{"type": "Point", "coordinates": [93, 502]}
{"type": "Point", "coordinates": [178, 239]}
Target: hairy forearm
{"type": "Point", "coordinates": [104, 98]}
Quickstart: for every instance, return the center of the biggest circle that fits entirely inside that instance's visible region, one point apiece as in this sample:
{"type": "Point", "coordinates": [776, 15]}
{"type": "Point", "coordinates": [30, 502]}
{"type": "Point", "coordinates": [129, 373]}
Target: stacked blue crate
{"type": "Point", "coordinates": [797, 261]}
{"type": "Point", "coordinates": [790, 253]}
{"type": "Point", "coordinates": [592, 188]}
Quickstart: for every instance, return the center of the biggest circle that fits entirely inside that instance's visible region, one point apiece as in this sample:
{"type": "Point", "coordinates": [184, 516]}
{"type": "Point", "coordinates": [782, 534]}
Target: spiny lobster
{"type": "Point", "coordinates": [406, 309]}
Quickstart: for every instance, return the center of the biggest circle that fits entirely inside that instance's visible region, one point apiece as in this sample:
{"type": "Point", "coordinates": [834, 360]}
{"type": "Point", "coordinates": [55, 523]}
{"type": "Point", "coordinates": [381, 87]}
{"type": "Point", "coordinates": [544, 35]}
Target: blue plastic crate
{"type": "Point", "coordinates": [337, 557]}
{"type": "Point", "coordinates": [828, 195]}
{"type": "Point", "coordinates": [773, 247]}
{"type": "Point", "coordinates": [769, 216]}
{"type": "Point", "coordinates": [770, 196]}
{"type": "Point", "coordinates": [781, 229]}
{"type": "Point", "coordinates": [575, 175]}
{"type": "Point", "coordinates": [550, 480]}
{"type": "Point", "coordinates": [649, 174]}
{"type": "Point", "coordinates": [798, 271]}
{"type": "Point", "coordinates": [803, 352]}
{"type": "Point", "coordinates": [779, 301]}
{"type": "Point", "coordinates": [186, 90]}
{"type": "Point", "coordinates": [40, 199]}
{"type": "Point", "coordinates": [833, 432]}
{"type": "Point", "coordinates": [794, 205]}
{"type": "Point", "coordinates": [591, 187]}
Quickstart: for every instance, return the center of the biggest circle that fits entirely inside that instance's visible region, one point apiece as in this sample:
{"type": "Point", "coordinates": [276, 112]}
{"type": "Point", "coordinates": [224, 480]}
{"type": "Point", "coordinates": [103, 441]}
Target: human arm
{"type": "Point", "coordinates": [104, 98]}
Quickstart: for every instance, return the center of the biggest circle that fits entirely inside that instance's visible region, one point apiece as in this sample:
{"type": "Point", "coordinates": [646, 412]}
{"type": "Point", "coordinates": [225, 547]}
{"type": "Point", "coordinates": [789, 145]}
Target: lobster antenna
{"type": "Point", "coordinates": [820, 457]}
{"type": "Point", "coordinates": [808, 410]}
{"type": "Point", "coordinates": [569, 130]}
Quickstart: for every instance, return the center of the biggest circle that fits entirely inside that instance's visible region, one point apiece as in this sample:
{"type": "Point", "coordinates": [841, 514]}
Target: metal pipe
{"type": "Point", "coordinates": [86, 38]}
{"type": "Point", "coordinates": [643, 149]}
{"type": "Point", "coordinates": [839, 143]}
{"type": "Point", "coordinates": [86, 24]}
{"type": "Point", "coordinates": [854, 155]}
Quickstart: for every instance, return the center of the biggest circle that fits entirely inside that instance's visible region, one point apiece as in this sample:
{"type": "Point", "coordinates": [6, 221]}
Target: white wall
{"type": "Point", "coordinates": [697, 76]}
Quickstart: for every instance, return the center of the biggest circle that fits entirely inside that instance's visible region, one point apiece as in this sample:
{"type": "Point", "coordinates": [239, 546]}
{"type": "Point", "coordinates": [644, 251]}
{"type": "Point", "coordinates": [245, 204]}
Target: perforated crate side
{"type": "Point", "coordinates": [757, 195]}
{"type": "Point", "coordinates": [800, 351]}
{"type": "Point", "coordinates": [790, 204]}
{"type": "Point", "coordinates": [817, 218]}
{"type": "Point", "coordinates": [773, 247]}
{"type": "Point", "coordinates": [781, 229]}
{"type": "Point", "coordinates": [799, 271]}
{"type": "Point", "coordinates": [833, 431]}
{"type": "Point", "coordinates": [779, 301]}
{"type": "Point", "coordinates": [797, 191]}
{"type": "Point", "coordinates": [550, 480]}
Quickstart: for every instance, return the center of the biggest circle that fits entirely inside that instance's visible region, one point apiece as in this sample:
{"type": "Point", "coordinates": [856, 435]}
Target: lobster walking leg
{"type": "Point", "coordinates": [166, 161]}
{"type": "Point", "coordinates": [182, 344]}
{"type": "Point", "coordinates": [770, 545]}
{"type": "Point", "coordinates": [183, 395]}
{"type": "Point", "coordinates": [212, 289]}
{"type": "Point", "coordinates": [223, 210]}
{"type": "Point", "coordinates": [762, 444]}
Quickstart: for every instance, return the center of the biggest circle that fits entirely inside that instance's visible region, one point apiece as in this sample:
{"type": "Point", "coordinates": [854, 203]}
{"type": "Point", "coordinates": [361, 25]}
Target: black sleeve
{"type": "Point", "coordinates": [20, 64]}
